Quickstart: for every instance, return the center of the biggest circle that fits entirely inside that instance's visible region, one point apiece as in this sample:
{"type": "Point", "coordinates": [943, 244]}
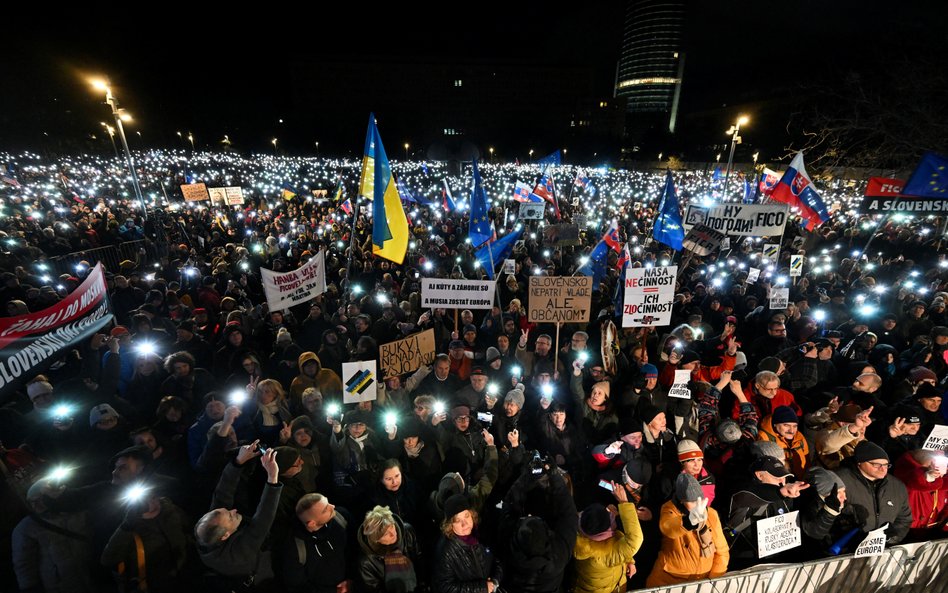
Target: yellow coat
{"type": "Point", "coordinates": [680, 560]}
{"type": "Point", "coordinates": [600, 566]}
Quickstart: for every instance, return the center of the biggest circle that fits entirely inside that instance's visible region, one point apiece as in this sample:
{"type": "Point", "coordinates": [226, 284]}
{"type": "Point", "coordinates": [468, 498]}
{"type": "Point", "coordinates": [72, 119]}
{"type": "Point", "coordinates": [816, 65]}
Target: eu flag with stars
{"type": "Point", "coordinates": [667, 228]}
{"type": "Point", "coordinates": [479, 229]}
{"type": "Point", "coordinates": [491, 255]}
{"type": "Point", "coordinates": [930, 179]}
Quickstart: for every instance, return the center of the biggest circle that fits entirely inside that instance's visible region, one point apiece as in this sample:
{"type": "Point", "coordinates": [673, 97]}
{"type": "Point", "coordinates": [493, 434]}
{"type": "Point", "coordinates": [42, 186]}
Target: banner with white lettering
{"type": "Point", "coordinates": [680, 387]}
{"type": "Point", "coordinates": [873, 545]}
{"type": "Point", "coordinates": [408, 354]}
{"type": "Point", "coordinates": [30, 343]}
{"type": "Point", "coordinates": [559, 299]}
{"type": "Point", "coordinates": [286, 289]}
{"type": "Point", "coordinates": [702, 240]}
{"type": "Point", "coordinates": [457, 294]}
{"type": "Point", "coordinates": [938, 439]}
{"type": "Point", "coordinates": [739, 220]}
{"type": "Point", "coordinates": [872, 205]}
{"type": "Point", "coordinates": [649, 296]}
{"type": "Point", "coordinates": [776, 534]}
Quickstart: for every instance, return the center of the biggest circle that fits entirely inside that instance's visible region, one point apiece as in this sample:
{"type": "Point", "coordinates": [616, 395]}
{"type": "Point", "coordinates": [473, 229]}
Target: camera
{"type": "Point", "coordinates": [485, 417]}
{"type": "Point", "coordinates": [537, 466]}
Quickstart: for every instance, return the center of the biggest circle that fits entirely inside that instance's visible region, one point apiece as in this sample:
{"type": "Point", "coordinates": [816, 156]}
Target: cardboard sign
{"type": "Point", "coordinates": [771, 252]}
{"type": "Point", "coordinates": [739, 220]}
{"type": "Point", "coordinates": [873, 545]}
{"type": "Point", "coordinates": [938, 439]}
{"type": "Point", "coordinates": [407, 355]}
{"type": "Point", "coordinates": [680, 387]}
{"type": "Point", "coordinates": [559, 299]}
{"type": "Point", "coordinates": [872, 205]}
{"type": "Point", "coordinates": [217, 194]}
{"type": "Point", "coordinates": [649, 295]}
{"type": "Point", "coordinates": [457, 294]}
{"type": "Point", "coordinates": [235, 196]}
{"type": "Point", "coordinates": [725, 243]}
{"type": "Point", "coordinates": [796, 265]}
{"type": "Point", "coordinates": [286, 289]}
{"type": "Point", "coordinates": [702, 240]}
{"type": "Point", "coordinates": [359, 382]}
{"type": "Point", "coordinates": [779, 298]}
{"type": "Point", "coordinates": [560, 235]}
{"type": "Point", "coordinates": [752, 275]}
{"type": "Point", "coordinates": [776, 534]}
{"type": "Point", "coordinates": [510, 266]}
{"type": "Point", "coordinates": [194, 192]}
{"type": "Point", "coordinates": [531, 211]}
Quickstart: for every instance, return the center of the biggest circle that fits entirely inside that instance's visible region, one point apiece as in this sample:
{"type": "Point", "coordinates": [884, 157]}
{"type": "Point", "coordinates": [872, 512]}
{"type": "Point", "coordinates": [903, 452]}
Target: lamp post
{"type": "Point", "coordinates": [531, 155]}
{"type": "Point", "coordinates": [317, 149]}
{"type": "Point", "coordinates": [406, 151]}
{"type": "Point", "coordinates": [191, 139]}
{"type": "Point", "coordinates": [491, 151]}
{"type": "Point", "coordinates": [274, 143]}
{"type": "Point", "coordinates": [734, 132]}
{"type": "Point", "coordinates": [120, 115]}
{"type": "Point", "coordinates": [111, 132]}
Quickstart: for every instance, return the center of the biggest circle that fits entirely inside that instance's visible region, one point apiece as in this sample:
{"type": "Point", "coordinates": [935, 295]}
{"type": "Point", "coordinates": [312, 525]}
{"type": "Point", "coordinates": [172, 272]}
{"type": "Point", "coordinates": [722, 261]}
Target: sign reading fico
{"type": "Point", "coordinates": [739, 220]}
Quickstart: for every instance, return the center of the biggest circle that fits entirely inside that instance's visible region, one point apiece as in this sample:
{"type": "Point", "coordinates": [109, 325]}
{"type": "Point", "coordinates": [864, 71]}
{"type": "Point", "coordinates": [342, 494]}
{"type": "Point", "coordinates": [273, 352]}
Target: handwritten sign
{"type": "Point", "coordinates": [235, 196]}
{"type": "Point", "coordinates": [776, 534]}
{"type": "Point", "coordinates": [702, 240]}
{"type": "Point", "coordinates": [649, 296]}
{"type": "Point", "coordinates": [680, 387]}
{"type": "Point", "coordinates": [457, 294]}
{"type": "Point", "coordinates": [217, 194]}
{"type": "Point", "coordinates": [752, 275]}
{"type": "Point", "coordinates": [559, 299]}
{"type": "Point", "coordinates": [407, 355]}
{"type": "Point", "coordinates": [938, 439]}
{"type": "Point", "coordinates": [360, 383]}
{"type": "Point", "coordinates": [779, 298]}
{"type": "Point", "coordinates": [510, 266]}
{"type": "Point", "coordinates": [194, 192]}
{"type": "Point", "coordinates": [873, 545]}
{"type": "Point", "coordinates": [286, 289]}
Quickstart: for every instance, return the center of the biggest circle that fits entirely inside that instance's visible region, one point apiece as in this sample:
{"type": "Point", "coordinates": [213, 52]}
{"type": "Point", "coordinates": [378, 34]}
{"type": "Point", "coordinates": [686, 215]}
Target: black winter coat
{"type": "Point", "coordinates": [461, 568]}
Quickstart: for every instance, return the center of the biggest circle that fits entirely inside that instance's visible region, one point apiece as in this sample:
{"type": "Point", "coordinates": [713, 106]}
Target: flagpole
{"type": "Point", "coordinates": [355, 216]}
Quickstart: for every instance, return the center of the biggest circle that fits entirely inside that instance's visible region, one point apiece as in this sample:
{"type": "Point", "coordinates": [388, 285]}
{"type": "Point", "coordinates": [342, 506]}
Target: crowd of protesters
{"type": "Point", "coordinates": [200, 439]}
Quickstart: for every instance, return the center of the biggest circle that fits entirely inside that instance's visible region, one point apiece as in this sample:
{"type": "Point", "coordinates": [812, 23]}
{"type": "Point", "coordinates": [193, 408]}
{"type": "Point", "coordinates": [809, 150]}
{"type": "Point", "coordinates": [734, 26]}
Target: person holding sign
{"type": "Point", "coordinates": [693, 544]}
{"type": "Point", "coordinates": [874, 497]}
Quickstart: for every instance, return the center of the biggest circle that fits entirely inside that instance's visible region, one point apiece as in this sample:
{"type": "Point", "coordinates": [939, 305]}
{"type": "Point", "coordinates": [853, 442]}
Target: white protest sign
{"type": "Point", "coordinates": [938, 439]}
{"type": "Point", "coordinates": [360, 382]}
{"type": "Point", "coordinates": [217, 194]}
{"type": "Point", "coordinates": [779, 298]}
{"type": "Point", "coordinates": [680, 387]}
{"type": "Point", "coordinates": [531, 211]}
{"type": "Point", "coordinates": [776, 534]}
{"type": "Point", "coordinates": [739, 220]}
{"type": "Point", "coordinates": [796, 265]}
{"type": "Point", "coordinates": [752, 275]}
{"type": "Point", "coordinates": [286, 289]}
{"type": "Point", "coordinates": [649, 296]}
{"type": "Point", "coordinates": [235, 196]}
{"type": "Point", "coordinates": [725, 243]}
{"type": "Point", "coordinates": [457, 294]}
{"type": "Point", "coordinates": [510, 266]}
{"type": "Point", "coordinates": [873, 545]}
{"type": "Point", "coordinates": [771, 252]}
{"type": "Point", "coordinates": [702, 240]}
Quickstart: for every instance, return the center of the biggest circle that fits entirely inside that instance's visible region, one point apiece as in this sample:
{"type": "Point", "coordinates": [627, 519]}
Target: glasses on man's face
{"type": "Point", "coordinates": [462, 418]}
{"type": "Point", "coordinates": [879, 466]}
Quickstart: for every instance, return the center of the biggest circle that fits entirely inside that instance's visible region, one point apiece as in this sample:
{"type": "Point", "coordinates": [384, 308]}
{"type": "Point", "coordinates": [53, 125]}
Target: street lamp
{"type": "Point", "coordinates": [491, 151]}
{"type": "Point", "coordinates": [317, 149]}
{"type": "Point", "coordinates": [531, 154]}
{"type": "Point", "coordinates": [120, 115]}
{"type": "Point", "coordinates": [734, 131]}
{"type": "Point", "coordinates": [191, 139]}
{"type": "Point", "coordinates": [406, 151]}
{"type": "Point", "coordinates": [274, 143]}
{"type": "Point", "coordinates": [754, 156]}
{"type": "Point", "coordinates": [111, 132]}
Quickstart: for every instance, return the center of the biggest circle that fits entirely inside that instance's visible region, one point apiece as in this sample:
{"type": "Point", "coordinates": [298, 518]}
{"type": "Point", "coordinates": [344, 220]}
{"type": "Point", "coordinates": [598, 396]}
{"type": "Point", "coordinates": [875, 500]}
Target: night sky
{"type": "Point", "coordinates": [177, 72]}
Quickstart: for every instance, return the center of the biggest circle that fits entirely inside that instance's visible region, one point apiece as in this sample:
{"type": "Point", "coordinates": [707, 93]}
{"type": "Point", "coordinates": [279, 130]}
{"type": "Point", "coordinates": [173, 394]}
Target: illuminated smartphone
{"type": "Point", "coordinates": [607, 485]}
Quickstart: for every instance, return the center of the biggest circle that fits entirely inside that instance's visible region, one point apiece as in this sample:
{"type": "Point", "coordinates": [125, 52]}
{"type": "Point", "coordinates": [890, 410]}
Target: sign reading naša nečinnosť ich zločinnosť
{"type": "Point", "coordinates": [30, 343]}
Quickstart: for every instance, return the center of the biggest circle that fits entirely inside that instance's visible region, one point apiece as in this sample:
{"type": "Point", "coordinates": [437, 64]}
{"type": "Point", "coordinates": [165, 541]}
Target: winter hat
{"type": "Point", "coordinates": [771, 363]}
{"type": "Point", "coordinates": [911, 414]}
{"type": "Point", "coordinates": [869, 451]}
{"type": "Point", "coordinates": [629, 424]}
{"type": "Point", "coordinates": [604, 386]}
{"type": "Point", "coordinates": [823, 480]}
{"type": "Point", "coordinates": [469, 328]}
{"type": "Point", "coordinates": [648, 412]}
{"type": "Point", "coordinates": [847, 413]}
{"type": "Point", "coordinates": [38, 388]}
{"type": "Point", "coordinates": [455, 344]}
{"type": "Point", "coordinates": [687, 488]}
{"type": "Point", "coordinates": [919, 374]}
{"type": "Point", "coordinates": [532, 537]}
{"type": "Point", "coordinates": [286, 457]}
{"type": "Point", "coordinates": [283, 336]}
{"type": "Point", "coordinates": [688, 449]}
{"type": "Point", "coordinates": [492, 355]}
{"type": "Point", "coordinates": [638, 471]}
{"type": "Point", "coordinates": [101, 412]}
{"type": "Point", "coordinates": [729, 432]}
{"type": "Point", "coordinates": [649, 371]}
{"type": "Point", "coordinates": [927, 391]}
{"type": "Point", "coordinates": [457, 503]}
{"type": "Point", "coordinates": [302, 422]}
{"type": "Point", "coordinates": [596, 522]}
{"type": "Point", "coordinates": [515, 396]}
{"type": "Point", "coordinates": [410, 427]}
{"type": "Point", "coordinates": [767, 449]}
{"type": "Point", "coordinates": [187, 325]}
{"type": "Point", "coordinates": [119, 330]}
{"type": "Point", "coordinates": [460, 410]}
{"type": "Point", "coordinates": [784, 415]}
{"type": "Point", "coordinates": [355, 417]}
{"type": "Point", "coordinates": [689, 356]}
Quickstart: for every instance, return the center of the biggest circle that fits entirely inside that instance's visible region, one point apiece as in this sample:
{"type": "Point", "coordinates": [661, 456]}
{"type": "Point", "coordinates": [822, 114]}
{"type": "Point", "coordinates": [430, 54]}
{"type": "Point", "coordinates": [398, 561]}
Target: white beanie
{"type": "Point", "coordinates": [100, 412]}
{"type": "Point", "coordinates": [38, 388]}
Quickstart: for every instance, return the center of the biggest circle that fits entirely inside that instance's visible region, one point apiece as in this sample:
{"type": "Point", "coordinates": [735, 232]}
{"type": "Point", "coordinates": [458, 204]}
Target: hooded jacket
{"type": "Point", "coordinates": [600, 566]}
{"type": "Point", "coordinates": [796, 452]}
{"type": "Point", "coordinates": [928, 500]}
{"type": "Point", "coordinates": [327, 382]}
{"type": "Point", "coordinates": [372, 560]}
{"type": "Point", "coordinates": [680, 559]}
{"type": "Point", "coordinates": [315, 562]}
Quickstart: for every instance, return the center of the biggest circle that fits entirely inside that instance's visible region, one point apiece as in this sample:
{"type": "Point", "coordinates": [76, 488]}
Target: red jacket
{"type": "Point", "coordinates": [928, 500]}
{"type": "Point", "coordinates": [701, 373]}
{"type": "Point", "coordinates": [765, 406]}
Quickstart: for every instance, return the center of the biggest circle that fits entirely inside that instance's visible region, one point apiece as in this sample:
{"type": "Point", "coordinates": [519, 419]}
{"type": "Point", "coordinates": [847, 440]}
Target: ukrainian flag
{"type": "Point", "coordinates": [389, 224]}
{"type": "Point", "coordinates": [289, 192]}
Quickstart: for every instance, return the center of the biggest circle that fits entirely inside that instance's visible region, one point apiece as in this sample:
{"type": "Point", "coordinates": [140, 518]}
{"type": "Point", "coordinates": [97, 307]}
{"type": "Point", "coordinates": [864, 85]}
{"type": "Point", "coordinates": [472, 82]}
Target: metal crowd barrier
{"type": "Point", "coordinates": [910, 568]}
{"type": "Point", "coordinates": [110, 256]}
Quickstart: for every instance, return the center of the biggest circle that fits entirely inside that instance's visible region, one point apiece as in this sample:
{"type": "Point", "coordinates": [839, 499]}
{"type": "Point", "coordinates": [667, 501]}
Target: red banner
{"type": "Point", "coordinates": [884, 187]}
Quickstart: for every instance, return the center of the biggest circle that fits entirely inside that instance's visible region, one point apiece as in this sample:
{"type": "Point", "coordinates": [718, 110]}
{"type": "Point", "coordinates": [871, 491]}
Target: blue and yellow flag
{"type": "Point", "coordinates": [930, 179]}
{"type": "Point", "coordinates": [289, 192]}
{"type": "Point", "coordinates": [389, 224]}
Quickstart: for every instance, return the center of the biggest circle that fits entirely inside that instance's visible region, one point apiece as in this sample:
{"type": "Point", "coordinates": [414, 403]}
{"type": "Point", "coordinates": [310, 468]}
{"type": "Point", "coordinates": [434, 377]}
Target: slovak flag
{"type": "Point", "coordinates": [768, 181]}
{"type": "Point", "coordinates": [581, 180]}
{"type": "Point", "coordinates": [346, 206]}
{"type": "Point", "coordinates": [796, 190]}
{"type": "Point", "coordinates": [611, 238]}
{"type": "Point", "coordinates": [522, 193]}
{"type": "Point", "coordinates": [546, 190]}
{"type": "Point", "coordinates": [624, 257]}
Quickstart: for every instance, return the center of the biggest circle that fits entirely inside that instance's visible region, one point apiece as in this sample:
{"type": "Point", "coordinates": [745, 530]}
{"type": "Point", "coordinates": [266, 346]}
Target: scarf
{"type": "Point", "coordinates": [399, 573]}
{"type": "Point", "coordinates": [270, 413]}
{"type": "Point", "coordinates": [414, 452]}
{"type": "Point", "coordinates": [705, 540]}
{"type": "Point", "coordinates": [360, 440]}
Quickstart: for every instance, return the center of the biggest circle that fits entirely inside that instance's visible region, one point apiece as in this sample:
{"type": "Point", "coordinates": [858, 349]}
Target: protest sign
{"type": "Point", "coordinates": [779, 298]}
{"type": "Point", "coordinates": [217, 194]}
{"type": "Point", "coordinates": [30, 343]}
{"type": "Point", "coordinates": [408, 354]}
{"type": "Point", "coordinates": [752, 275]}
{"type": "Point", "coordinates": [580, 220]}
{"type": "Point", "coordinates": [194, 192]}
{"type": "Point", "coordinates": [725, 243]}
{"type": "Point", "coordinates": [702, 240]}
{"type": "Point", "coordinates": [360, 383]}
{"type": "Point", "coordinates": [777, 534]}
{"type": "Point", "coordinates": [649, 296]}
{"type": "Point", "coordinates": [457, 294]}
{"type": "Point", "coordinates": [873, 545]}
{"type": "Point", "coordinates": [286, 289]}
{"type": "Point", "coordinates": [871, 205]}
{"type": "Point", "coordinates": [739, 220]}
{"type": "Point", "coordinates": [560, 235]}
{"type": "Point", "coordinates": [680, 387]}
{"type": "Point", "coordinates": [884, 187]}
{"type": "Point", "coordinates": [559, 299]}
{"type": "Point", "coordinates": [796, 265]}
{"type": "Point", "coordinates": [938, 439]}
{"type": "Point", "coordinates": [531, 211]}
{"type": "Point", "coordinates": [510, 266]}
{"type": "Point", "coordinates": [235, 196]}
{"type": "Point", "coordinates": [771, 253]}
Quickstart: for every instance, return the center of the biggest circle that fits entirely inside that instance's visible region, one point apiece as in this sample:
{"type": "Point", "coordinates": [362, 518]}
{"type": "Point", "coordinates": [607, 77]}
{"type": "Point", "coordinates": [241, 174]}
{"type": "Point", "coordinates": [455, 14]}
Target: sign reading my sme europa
{"type": "Point", "coordinates": [457, 294]}
{"type": "Point", "coordinates": [560, 299]}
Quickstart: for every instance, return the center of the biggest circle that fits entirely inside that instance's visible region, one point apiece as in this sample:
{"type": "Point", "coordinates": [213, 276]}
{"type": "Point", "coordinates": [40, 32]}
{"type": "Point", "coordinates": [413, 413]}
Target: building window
{"type": "Point", "coordinates": [458, 83]}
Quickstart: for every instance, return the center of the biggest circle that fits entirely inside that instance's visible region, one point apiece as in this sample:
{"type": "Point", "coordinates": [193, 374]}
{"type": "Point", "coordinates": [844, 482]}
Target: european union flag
{"type": "Point", "coordinates": [491, 255]}
{"type": "Point", "coordinates": [667, 228]}
{"type": "Point", "coordinates": [930, 179]}
{"type": "Point", "coordinates": [479, 228]}
{"type": "Point", "coordinates": [596, 265]}
{"type": "Point", "coordinates": [553, 158]}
